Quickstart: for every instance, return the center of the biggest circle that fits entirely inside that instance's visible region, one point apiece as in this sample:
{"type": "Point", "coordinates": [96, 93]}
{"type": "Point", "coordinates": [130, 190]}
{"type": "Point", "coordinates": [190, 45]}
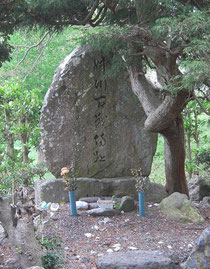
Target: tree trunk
{"type": "Point", "coordinates": [163, 116]}
{"type": "Point", "coordinates": [18, 224]}
{"type": "Point", "coordinates": [175, 157]}
{"type": "Point", "coordinates": [189, 153]}
{"type": "Point", "coordinates": [10, 146]}
{"type": "Point", "coordinates": [196, 132]}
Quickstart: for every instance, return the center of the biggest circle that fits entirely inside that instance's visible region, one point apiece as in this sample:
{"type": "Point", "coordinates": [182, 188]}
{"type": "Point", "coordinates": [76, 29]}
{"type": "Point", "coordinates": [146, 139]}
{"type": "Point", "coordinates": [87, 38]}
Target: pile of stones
{"type": "Point", "coordinates": [92, 208]}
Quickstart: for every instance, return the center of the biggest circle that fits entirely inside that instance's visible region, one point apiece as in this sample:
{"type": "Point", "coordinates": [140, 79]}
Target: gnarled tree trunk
{"type": "Point", "coordinates": [18, 224]}
{"type": "Point", "coordinates": [163, 116]}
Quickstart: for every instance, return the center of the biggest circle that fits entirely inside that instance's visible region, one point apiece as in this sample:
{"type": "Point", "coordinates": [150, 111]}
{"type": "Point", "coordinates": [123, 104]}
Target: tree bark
{"type": "Point", "coordinates": [189, 153]}
{"type": "Point", "coordinates": [175, 157]}
{"type": "Point", "coordinates": [163, 116]}
{"type": "Point", "coordinates": [18, 224]}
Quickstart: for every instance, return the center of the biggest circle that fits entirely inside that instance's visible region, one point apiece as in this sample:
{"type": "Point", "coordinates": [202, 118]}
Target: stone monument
{"type": "Point", "coordinates": [94, 122]}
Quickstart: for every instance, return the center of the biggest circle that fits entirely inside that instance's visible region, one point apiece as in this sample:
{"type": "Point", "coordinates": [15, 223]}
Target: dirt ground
{"type": "Point", "coordinates": [85, 239]}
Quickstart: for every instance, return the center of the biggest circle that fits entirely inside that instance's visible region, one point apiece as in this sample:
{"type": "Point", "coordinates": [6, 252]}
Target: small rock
{"type": "Point", "coordinates": [95, 227]}
{"type": "Point", "coordinates": [66, 248]}
{"type": "Point", "coordinates": [116, 245]}
{"type": "Point", "coordinates": [93, 252]}
{"type": "Point", "coordinates": [169, 247]}
{"type": "Point", "coordinates": [35, 267]}
{"type": "Point", "coordinates": [109, 250]}
{"type": "Point", "coordinates": [127, 204]}
{"type": "Point", "coordinates": [10, 261]}
{"type": "Point", "coordinates": [102, 212]}
{"type": "Point", "coordinates": [89, 235]}
{"type": "Point", "coordinates": [107, 220]}
{"type": "Point", "coordinates": [117, 249]}
{"type": "Point", "coordinates": [81, 205]}
{"type": "Point", "coordinates": [132, 248]}
{"type": "Point", "coordinates": [160, 242]}
{"type": "Point", "coordinates": [189, 246]}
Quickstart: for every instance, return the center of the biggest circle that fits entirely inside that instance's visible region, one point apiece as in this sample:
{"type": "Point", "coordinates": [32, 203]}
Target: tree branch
{"type": "Point", "coordinates": [38, 58]}
{"type": "Point", "coordinates": [31, 47]}
{"type": "Point", "coordinates": [201, 106]}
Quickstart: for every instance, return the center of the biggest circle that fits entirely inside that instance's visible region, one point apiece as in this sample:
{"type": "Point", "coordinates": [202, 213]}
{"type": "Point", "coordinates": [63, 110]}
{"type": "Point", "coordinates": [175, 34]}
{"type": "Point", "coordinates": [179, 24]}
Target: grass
{"type": "Point", "coordinates": [157, 174]}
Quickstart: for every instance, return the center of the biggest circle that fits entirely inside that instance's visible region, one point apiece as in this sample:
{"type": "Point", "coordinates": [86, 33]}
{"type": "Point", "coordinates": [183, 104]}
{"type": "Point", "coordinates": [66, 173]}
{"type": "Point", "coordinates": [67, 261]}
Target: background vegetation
{"type": "Point", "coordinates": [33, 73]}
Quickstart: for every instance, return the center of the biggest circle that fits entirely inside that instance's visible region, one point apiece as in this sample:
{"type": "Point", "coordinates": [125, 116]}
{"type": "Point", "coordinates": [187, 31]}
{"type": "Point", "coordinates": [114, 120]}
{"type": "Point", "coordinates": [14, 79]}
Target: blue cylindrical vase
{"type": "Point", "coordinates": [141, 204]}
{"type": "Point", "coordinates": [72, 201]}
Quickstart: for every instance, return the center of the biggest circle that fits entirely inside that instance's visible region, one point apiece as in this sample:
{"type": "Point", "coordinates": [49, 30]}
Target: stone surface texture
{"type": "Point", "coordinates": [177, 207]}
{"type": "Point", "coordinates": [95, 123]}
{"type": "Point", "coordinates": [135, 260]}
{"type": "Point", "coordinates": [127, 204]}
{"type": "Point", "coordinates": [198, 188]}
{"type": "Point", "coordinates": [2, 234]}
{"type": "Point", "coordinates": [200, 256]}
{"type": "Point", "coordinates": [52, 190]}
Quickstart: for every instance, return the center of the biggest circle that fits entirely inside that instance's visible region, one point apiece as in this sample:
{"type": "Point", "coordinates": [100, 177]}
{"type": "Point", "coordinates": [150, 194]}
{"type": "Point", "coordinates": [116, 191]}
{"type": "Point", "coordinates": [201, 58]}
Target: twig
{"type": "Point", "coordinates": [38, 58]}
{"type": "Point", "coordinates": [31, 47]}
{"type": "Point", "coordinates": [201, 106]}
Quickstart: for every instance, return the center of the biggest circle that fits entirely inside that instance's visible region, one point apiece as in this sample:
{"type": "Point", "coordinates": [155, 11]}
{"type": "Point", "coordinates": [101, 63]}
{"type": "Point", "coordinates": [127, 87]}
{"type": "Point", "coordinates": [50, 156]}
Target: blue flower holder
{"type": "Point", "coordinates": [73, 208]}
{"type": "Point", "coordinates": [141, 204]}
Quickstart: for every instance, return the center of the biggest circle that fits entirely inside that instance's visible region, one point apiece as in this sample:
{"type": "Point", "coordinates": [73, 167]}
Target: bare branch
{"type": "Point", "coordinates": [31, 47]}
{"type": "Point", "coordinates": [38, 58]}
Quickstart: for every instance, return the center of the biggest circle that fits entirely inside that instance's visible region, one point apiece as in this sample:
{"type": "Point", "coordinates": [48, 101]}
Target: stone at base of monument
{"type": "Point", "coordinates": [97, 212]}
{"type": "Point", "coordinates": [106, 204]}
{"type": "Point", "coordinates": [135, 259]}
{"type": "Point", "coordinates": [53, 190]}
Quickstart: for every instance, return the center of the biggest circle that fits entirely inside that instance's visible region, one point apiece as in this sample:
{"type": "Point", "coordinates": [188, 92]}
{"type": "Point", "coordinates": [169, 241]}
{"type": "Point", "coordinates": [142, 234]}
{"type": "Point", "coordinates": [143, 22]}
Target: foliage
{"type": "Point", "coordinates": [204, 158]}
{"type": "Point", "coordinates": [20, 110]}
{"type": "Point", "coordinates": [15, 173]}
{"type": "Point", "coordinates": [69, 178]}
{"type": "Point", "coordinates": [44, 66]}
{"type": "Point", "coordinates": [54, 256]}
{"type": "Point", "coordinates": [194, 126]}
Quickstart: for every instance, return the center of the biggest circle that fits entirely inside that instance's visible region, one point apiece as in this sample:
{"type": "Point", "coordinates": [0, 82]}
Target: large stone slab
{"type": "Point", "coordinates": [96, 123]}
{"type": "Point", "coordinates": [52, 190]}
{"type": "Point", "coordinates": [135, 260]}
